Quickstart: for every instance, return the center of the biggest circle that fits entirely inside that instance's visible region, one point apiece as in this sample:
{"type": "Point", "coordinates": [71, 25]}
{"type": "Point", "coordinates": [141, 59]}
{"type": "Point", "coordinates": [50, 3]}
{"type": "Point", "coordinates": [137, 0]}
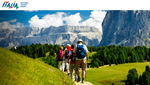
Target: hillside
{"type": "Point", "coordinates": [17, 69]}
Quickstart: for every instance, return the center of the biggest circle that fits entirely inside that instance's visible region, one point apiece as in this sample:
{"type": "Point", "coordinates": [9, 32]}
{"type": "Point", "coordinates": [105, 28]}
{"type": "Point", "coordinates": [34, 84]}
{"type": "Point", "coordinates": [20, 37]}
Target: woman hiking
{"type": "Point", "coordinates": [72, 62]}
{"type": "Point", "coordinates": [60, 59]}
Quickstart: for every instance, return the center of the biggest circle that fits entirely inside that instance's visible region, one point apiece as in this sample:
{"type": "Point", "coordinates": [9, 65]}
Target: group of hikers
{"type": "Point", "coordinates": [73, 57]}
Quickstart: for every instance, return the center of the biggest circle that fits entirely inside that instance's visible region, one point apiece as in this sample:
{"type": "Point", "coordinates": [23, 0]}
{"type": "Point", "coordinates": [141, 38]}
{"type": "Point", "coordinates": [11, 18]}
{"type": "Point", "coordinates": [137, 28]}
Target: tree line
{"type": "Point", "coordinates": [133, 79]}
{"type": "Point", "coordinates": [39, 51]}
{"type": "Point", "coordinates": [118, 55]}
{"type": "Point", "coordinates": [104, 54]}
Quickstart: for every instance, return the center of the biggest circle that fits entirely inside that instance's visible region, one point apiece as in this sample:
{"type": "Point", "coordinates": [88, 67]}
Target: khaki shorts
{"type": "Point", "coordinates": [82, 63]}
{"type": "Point", "coordinates": [61, 65]}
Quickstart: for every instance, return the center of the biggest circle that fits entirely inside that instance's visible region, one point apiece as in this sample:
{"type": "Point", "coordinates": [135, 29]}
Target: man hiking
{"type": "Point", "coordinates": [66, 52]}
{"type": "Point", "coordinates": [80, 52]}
{"type": "Point", "coordinates": [60, 59]}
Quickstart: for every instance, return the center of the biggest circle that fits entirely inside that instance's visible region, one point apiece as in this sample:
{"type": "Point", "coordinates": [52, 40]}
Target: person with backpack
{"type": "Point", "coordinates": [72, 62]}
{"type": "Point", "coordinates": [80, 52]}
{"type": "Point", "coordinates": [60, 59]}
{"type": "Point", "coordinates": [66, 52]}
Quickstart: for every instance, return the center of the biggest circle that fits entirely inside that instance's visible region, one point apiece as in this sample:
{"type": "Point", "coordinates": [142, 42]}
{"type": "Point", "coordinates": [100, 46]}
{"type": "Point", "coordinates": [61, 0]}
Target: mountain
{"type": "Point", "coordinates": [61, 35]}
{"type": "Point", "coordinates": [17, 69]}
{"type": "Point", "coordinates": [126, 28]}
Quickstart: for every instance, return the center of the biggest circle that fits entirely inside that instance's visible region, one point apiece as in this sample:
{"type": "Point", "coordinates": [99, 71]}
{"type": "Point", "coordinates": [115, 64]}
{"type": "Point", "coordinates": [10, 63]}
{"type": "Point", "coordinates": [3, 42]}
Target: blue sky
{"type": "Point", "coordinates": [45, 18]}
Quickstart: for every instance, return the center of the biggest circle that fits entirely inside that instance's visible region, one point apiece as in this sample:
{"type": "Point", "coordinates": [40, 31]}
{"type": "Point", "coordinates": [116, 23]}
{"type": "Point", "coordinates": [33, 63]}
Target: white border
{"type": "Point", "coordinates": [82, 5]}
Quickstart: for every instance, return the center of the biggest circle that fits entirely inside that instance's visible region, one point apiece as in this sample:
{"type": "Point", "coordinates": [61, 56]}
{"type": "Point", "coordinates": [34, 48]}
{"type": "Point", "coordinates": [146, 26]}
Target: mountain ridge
{"type": "Point", "coordinates": [61, 35]}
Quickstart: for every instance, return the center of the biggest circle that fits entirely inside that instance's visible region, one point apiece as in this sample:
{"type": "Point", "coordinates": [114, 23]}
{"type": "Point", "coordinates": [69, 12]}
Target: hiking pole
{"type": "Point", "coordinates": [85, 75]}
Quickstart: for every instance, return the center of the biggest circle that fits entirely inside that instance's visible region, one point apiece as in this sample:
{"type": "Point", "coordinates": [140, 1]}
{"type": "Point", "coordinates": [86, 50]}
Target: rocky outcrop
{"type": "Point", "coordinates": [61, 35]}
{"type": "Point", "coordinates": [127, 28]}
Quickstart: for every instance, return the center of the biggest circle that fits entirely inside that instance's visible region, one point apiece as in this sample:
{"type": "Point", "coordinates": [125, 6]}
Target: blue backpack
{"type": "Point", "coordinates": [81, 53]}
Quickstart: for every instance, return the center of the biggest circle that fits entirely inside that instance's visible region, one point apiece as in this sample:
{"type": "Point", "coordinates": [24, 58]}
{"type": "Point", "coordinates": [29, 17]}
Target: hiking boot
{"type": "Point", "coordinates": [78, 80]}
{"type": "Point", "coordinates": [75, 79]}
{"type": "Point", "coordinates": [82, 81]}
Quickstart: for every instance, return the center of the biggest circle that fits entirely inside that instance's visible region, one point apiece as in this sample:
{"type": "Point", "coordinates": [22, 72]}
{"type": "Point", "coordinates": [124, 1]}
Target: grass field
{"type": "Point", "coordinates": [116, 74]}
{"type": "Point", "coordinates": [17, 69]}
{"type": "Point", "coordinates": [90, 54]}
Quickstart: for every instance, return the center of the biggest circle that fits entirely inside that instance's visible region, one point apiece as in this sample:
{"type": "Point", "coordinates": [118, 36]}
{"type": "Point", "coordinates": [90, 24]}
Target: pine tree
{"type": "Point", "coordinates": [132, 77]}
{"type": "Point", "coordinates": [141, 58]}
{"type": "Point", "coordinates": [140, 80]}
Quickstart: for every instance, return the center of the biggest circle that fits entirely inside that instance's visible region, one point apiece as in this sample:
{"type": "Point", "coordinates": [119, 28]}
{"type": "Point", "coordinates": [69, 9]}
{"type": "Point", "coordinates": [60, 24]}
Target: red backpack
{"type": "Point", "coordinates": [60, 55]}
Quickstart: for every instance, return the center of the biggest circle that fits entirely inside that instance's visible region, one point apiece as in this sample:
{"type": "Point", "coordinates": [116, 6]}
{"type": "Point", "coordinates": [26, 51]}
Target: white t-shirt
{"type": "Point", "coordinates": [85, 48]}
{"type": "Point", "coordinates": [65, 50]}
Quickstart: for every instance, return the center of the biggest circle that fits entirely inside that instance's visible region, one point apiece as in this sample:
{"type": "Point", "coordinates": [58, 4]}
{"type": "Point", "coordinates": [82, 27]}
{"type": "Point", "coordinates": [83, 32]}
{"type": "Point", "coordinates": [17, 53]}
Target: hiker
{"type": "Point", "coordinates": [80, 52]}
{"type": "Point", "coordinates": [60, 59]}
{"type": "Point", "coordinates": [66, 52]}
{"type": "Point", "coordinates": [72, 62]}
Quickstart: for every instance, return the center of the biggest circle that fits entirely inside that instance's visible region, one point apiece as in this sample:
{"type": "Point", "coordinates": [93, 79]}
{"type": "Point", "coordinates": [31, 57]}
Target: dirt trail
{"type": "Point", "coordinates": [79, 83]}
{"type": "Point", "coordinates": [86, 82]}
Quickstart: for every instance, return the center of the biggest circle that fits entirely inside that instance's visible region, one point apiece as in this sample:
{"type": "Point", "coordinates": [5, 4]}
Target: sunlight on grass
{"type": "Point", "coordinates": [114, 74]}
{"type": "Point", "coordinates": [17, 69]}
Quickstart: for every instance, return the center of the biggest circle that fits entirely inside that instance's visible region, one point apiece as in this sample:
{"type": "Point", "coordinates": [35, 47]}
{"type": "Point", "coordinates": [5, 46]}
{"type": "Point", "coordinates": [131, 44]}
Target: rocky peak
{"type": "Point", "coordinates": [129, 28]}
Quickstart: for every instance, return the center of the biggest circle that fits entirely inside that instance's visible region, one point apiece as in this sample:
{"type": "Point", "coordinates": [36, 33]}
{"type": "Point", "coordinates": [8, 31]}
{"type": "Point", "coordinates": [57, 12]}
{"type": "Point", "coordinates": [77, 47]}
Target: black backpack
{"type": "Point", "coordinates": [71, 56]}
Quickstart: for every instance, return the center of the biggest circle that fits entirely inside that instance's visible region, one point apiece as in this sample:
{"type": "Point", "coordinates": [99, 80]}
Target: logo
{"type": "Point", "coordinates": [7, 4]}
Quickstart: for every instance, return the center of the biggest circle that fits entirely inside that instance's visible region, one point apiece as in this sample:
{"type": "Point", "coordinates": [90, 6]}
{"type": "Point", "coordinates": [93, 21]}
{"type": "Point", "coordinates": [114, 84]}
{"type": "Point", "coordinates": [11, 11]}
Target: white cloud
{"type": "Point", "coordinates": [98, 15]}
{"type": "Point", "coordinates": [47, 21]}
{"type": "Point", "coordinates": [7, 25]}
{"type": "Point", "coordinates": [13, 20]}
{"type": "Point", "coordinates": [73, 19]}
{"type": "Point", "coordinates": [95, 20]}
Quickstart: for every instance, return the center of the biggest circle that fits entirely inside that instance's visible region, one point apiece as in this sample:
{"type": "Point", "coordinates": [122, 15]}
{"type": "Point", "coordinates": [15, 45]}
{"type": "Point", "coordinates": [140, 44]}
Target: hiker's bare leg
{"type": "Point", "coordinates": [67, 67]}
{"type": "Point", "coordinates": [67, 70]}
{"type": "Point", "coordinates": [83, 73]}
{"type": "Point", "coordinates": [77, 71]}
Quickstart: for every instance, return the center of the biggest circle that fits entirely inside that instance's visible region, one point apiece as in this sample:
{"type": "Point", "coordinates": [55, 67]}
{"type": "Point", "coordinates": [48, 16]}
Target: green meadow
{"type": "Point", "coordinates": [17, 69]}
{"type": "Point", "coordinates": [117, 74]}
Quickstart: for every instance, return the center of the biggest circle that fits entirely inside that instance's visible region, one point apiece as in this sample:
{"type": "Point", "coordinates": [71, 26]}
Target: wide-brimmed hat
{"type": "Point", "coordinates": [80, 40]}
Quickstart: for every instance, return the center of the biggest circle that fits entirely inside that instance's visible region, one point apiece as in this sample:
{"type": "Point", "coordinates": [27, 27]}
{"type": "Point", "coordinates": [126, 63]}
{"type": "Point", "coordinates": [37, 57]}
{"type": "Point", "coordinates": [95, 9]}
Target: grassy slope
{"type": "Point", "coordinates": [113, 74]}
{"type": "Point", "coordinates": [18, 69]}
